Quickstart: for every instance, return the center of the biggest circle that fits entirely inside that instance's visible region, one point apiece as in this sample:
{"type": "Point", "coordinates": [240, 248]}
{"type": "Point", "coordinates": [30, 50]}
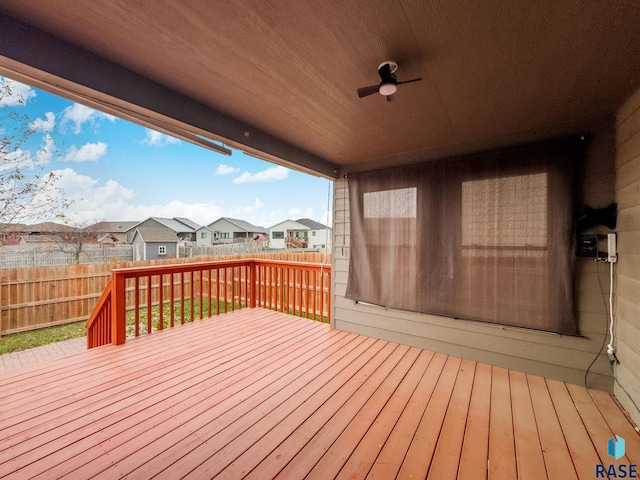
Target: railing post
{"type": "Point", "coordinates": [118, 309]}
{"type": "Point", "coordinates": [252, 281]}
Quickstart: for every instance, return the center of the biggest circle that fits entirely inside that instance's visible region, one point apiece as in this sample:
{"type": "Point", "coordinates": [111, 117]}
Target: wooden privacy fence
{"type": "Point", "coordinates": [145, 299]}
{"type": "Point", "coordinates": [32, 298]}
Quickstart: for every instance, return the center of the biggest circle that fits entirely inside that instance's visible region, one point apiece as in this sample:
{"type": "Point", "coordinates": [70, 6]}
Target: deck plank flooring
{"type": "Point", "coordinates": [260, 394]}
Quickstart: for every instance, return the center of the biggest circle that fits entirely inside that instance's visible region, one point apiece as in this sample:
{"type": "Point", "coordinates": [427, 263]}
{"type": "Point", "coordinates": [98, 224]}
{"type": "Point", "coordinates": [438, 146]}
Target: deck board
{"type": "Point", "coordinates": [259, 394]}
{"type": "Point", "coordinates": [502, 455]}
{"type": "Point", "coordinates": [473, 462]}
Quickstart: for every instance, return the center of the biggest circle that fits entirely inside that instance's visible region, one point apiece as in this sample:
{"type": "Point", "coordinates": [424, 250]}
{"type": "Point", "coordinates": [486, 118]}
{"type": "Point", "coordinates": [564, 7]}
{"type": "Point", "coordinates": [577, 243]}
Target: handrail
{"type": "Point", "coordinates": [99, 323]}
{"type": "Point", "coordinates": [145, 299]}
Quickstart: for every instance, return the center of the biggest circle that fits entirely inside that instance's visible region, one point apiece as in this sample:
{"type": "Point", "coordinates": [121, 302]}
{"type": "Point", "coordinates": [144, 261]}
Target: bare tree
{"type": "Point", "coordinates": [74, 235]}
{"type": "Point", "coordinates": [27, 191]}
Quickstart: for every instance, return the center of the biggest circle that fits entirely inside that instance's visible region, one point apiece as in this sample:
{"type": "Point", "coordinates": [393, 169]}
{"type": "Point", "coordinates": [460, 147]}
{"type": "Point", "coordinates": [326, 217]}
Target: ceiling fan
{"type": "Point", "coordinates": [388, 82]}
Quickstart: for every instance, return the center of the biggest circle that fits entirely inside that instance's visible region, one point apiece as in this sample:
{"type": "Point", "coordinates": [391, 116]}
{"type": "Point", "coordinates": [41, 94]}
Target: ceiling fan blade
{"type": "Point", "coordinates": [409, 81]}
{"type": "Point", "coordinates": [385, 73]}
{"type": "Point", "coordinates": [366, 91]}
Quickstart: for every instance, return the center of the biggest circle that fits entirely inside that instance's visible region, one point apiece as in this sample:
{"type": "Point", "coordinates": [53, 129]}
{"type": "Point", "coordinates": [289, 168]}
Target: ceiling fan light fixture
{"type": "Point", "coordinates": [387, 89]}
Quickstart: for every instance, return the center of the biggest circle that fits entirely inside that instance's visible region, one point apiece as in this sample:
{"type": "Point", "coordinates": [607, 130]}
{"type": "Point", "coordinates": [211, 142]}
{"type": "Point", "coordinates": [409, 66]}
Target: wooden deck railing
{"type": "Point", "coordinates": [141, 300]}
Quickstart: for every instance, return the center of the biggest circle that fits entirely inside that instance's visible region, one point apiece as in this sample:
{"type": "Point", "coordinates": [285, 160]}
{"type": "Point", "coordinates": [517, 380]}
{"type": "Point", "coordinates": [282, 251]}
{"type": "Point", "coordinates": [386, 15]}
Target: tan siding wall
{"type": "Point", "coordinates": [560, 357]}
{"type": "Point", "coordinates": [627, 289]}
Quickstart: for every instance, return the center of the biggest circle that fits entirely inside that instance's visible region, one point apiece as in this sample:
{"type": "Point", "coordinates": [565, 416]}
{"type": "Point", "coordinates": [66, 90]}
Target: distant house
{"type": "Point", "coordinates": [13, 233]}
{"type": "Point", "coordinates": [301, 233]}
{"type": "Point", "coordinates": [232, 230]}
{"type": "Point", "coordinates": [111, 232]}
{"type": "Point", "coordinates": [205, 236]}
{"type": "Point", "coordinates": [41, 240]}
{"type": "Point", "coordinates": [184, 228]}
{"type": "Point", "coordinates": [154, 243]}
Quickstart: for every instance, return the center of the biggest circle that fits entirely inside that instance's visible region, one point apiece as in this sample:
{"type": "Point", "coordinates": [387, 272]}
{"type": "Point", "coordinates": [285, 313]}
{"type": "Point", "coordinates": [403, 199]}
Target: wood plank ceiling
{"type": "Point", "coordinates": [494, 74]}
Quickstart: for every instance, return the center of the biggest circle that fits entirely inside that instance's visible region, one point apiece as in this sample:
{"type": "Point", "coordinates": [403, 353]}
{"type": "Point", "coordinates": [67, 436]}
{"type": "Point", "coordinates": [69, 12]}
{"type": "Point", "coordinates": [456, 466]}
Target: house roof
{"type": "Point", "coordinates": [177, 225]}
{"type": "Point", "coordinates": [36, 238]}
{"type": "Point", "coordinates": [187, 222]}
{"type": "Point", "coordinates": [156, 235]}
{"type": "Point", "coordinates": [242, 225]}
{"type": "Point", "coordinates": [312, 224]}
{"type": "Point", "coordinates": [174, 224]}
{"type": "Point", "coordinates": [112, 227]}
{"type": "Point", "coordinates": [302, 227]}
{"type": "Point", "coordinates": [45, 227]}
{"type": "Point", "coordinates": [280, 81]}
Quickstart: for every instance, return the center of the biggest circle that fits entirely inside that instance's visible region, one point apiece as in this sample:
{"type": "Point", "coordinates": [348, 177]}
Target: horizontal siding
{"type": "Point", "coordinates": [627, 310]}
{"type": "Point", "coordinates": [560, 357]}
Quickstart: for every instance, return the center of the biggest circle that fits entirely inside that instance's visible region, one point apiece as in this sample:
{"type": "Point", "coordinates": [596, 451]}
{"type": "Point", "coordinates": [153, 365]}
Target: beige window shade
{"type": "Point", "coordinates": [488, 237]}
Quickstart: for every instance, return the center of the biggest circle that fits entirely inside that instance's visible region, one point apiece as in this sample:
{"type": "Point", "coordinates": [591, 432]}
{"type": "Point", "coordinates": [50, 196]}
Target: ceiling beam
{"type": "Point", "coordinates": [53, 64]}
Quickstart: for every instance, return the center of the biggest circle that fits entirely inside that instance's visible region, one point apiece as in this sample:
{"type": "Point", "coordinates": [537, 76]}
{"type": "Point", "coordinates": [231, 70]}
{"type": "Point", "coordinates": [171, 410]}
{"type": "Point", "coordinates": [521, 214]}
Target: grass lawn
{"type": "Point", "coordinates": [43, 336]}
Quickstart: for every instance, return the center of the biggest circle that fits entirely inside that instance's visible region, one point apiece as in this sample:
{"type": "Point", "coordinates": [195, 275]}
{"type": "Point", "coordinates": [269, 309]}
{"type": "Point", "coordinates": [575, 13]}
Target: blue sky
{"type": "Point", "coordinates": [116, 170]}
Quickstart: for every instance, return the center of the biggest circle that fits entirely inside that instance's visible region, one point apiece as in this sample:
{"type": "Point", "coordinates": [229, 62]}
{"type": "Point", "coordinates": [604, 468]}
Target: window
{"type": "Point", "coordinates": [162, 250]}
{"type": "Point", "coordinates": [278, 235]}
{"type": "Point", "coordinates": [224, 235]}
{"type": "Point", "coordinates": [203, 235]}
{"type": "Point", "coordinates": [505, 215]}
{"type": "Point", "coordinates": [396, 203]}
{"type": "Point", "coordinates": [313, 234]}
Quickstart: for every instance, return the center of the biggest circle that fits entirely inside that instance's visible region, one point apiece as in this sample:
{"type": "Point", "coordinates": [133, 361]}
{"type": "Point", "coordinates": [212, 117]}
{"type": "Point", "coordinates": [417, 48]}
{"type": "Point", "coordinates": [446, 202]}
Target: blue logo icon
{"type": "Point", "coordinates": [616, 447]}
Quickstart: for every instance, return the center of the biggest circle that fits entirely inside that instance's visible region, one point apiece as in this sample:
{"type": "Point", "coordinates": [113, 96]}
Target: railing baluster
{"type": "Point", "coordinates": [161, 302]}
{"type": "Point", "coordinates": [181, 298]}
{"type": "Point", "coordinates": [172, 304]}
{"type": "Point", "coordinates": [225, 289]}
{"type": "Point", "coordinates": [233, 289]}
{"type": "Point", "coordinates": [136, 314]}
{"type": "Point", "coordinates": [321, 292]}
{"type": "Point", "coordinates": [209, 295]}
{"type": "Point", "coordinates": [294, 290]}
{"type": "Point", "coordinates": [306, 289]}
{"type": "Point", "coordinates": [192, 299]}
{"type": "Point", "coordinates": [314, 297]}
{"type": "Point", "coordinates": [149, 324]}
{"type": "Point", "coordinates": [281, 288]}
{"type": "Point", "coordinates": [201, 301]}
{"type": "Point", "coordinates": [217, 291]}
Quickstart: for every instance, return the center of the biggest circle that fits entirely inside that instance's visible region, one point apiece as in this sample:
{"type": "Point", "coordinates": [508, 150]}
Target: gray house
{"type": "Point", "coordinates": [232, 230]}
{"type": "Point", "coordinates": [154, 243]}
{"type": "Point", "coordinates": [205, 236]}
{"type": "Point", "coordinates": [184, 228]}
{"type": "Point", "coordinates": [111, 232]}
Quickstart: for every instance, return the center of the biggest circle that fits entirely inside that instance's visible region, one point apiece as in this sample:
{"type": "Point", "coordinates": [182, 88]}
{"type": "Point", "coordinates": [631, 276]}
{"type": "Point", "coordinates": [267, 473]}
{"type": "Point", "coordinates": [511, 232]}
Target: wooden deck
{"type": "Point", "coordinates": [261, 394]}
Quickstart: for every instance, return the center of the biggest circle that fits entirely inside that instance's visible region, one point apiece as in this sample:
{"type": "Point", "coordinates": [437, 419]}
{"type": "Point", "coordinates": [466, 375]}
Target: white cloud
{"type": "Point", "coordinates": [157, 139]}
{"type": "Point", "coordinates": [258, 203]}
{"type": "Point", "coordinates": [80, 114]}
{"type": "Point", "coordinates": [224, 169]}
{"type": "Point", "coordinates": [45, 125]}
{"type": "Point", "coordinates": [87, 153]}
{"type": "Point", "coordinates": [14, 93]}
{"type": "Point", "coordinates": [93, 201]}
{"type": "Point", "coordinates": [296, 213]}
{"type": "Point", "coordinates": [269, 175]}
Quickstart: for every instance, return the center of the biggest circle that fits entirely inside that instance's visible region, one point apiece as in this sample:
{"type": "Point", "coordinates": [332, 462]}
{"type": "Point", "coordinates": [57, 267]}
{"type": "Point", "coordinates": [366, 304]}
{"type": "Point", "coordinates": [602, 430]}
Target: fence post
{"type": "Point", "coordinates": [118, 309]}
